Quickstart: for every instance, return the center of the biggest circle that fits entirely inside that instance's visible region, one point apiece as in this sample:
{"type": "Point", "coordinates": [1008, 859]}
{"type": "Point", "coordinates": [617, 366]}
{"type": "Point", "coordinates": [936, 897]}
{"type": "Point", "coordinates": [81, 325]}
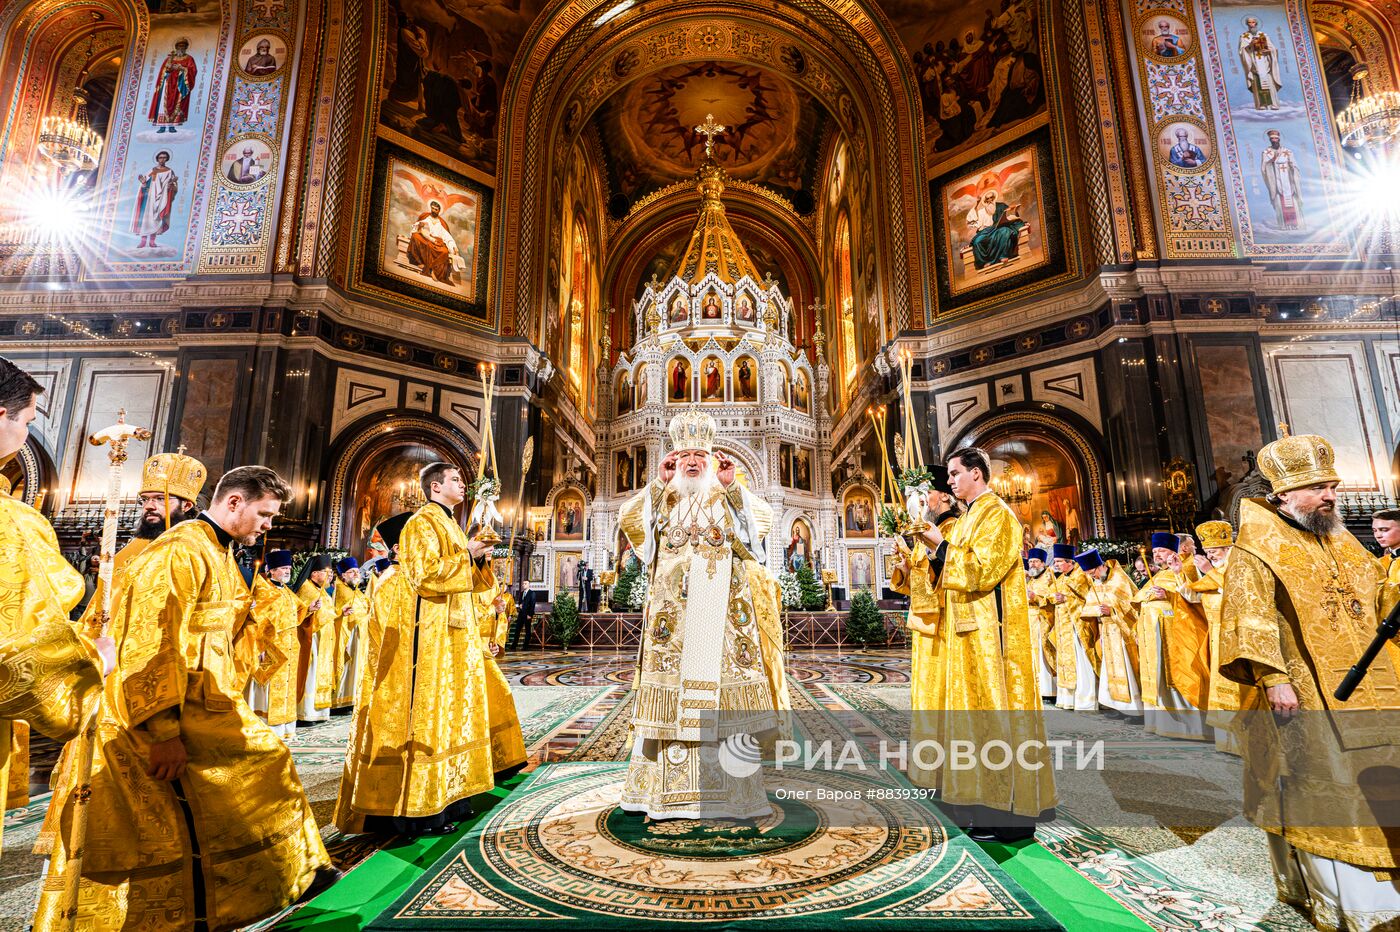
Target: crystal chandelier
{"type": "Point", "coordinates": [1370, 121]}
{"type": "Point", "coordinates": [71, 143]}
{"type": "Point", "coordinates": [1014, 487]}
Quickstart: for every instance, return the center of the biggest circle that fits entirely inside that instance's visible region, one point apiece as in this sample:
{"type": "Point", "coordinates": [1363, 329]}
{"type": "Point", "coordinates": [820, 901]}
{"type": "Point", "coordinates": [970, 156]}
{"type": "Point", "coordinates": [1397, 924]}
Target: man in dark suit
{"type": "Point", "coordinates": [585, 587]}
{"type": "Point", "coordinates": [524, 619]}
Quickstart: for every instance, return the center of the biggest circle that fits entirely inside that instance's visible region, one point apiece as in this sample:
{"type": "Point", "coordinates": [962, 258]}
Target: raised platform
{"type": "Point", "coordinates": [623, 630]}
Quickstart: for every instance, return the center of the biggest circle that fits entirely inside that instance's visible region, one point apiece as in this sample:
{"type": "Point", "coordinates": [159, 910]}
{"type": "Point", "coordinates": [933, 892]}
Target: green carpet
{"type": "Point", "coordinates": [1070, 898]}
{"type": "Point", "coordinates": [381, 878]}
{"type": "Point", "coordinates": [835, 850]}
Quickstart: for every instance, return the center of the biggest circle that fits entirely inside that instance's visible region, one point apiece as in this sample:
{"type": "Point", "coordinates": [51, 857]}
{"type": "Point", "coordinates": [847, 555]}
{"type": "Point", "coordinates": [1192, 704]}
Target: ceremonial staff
{"type": "Point", "coordinates": [115, 438]}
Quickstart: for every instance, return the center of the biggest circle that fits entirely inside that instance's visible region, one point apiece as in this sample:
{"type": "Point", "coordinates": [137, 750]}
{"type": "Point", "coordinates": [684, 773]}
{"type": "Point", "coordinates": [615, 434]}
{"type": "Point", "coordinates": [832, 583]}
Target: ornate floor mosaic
{"type": "Point", "coordinates": [1161, 845]}
{"type": "Point", "coordinates": [559, 850]}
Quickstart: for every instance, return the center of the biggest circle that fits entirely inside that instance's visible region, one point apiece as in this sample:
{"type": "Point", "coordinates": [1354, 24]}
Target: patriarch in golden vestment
{"type": "Point", "coordinates": [1040, 591]}
{"type": "Point", "coordinates": [421, 743]}
{"type": "Point", "coordinates": [1322, 776]}
{"type": "Point", "coordinates": [351, 608]}
{"type": "Point", "coordinates": [711, 659]}
{"type": "Point", "coordinates": [494, 609]}
{"type": "Point", "coordinates": [50, 675]}
{"type": "Point", "coordinates": [1076, 637]}
{"type": "Point", "coordinates": [1385, 527]}
{"type": "Point", "coordinates": [1173, 644]}
{"type": "Point", "coordinates": [1109, 604]}
{"type": "Point", "coordinates": [1224, 696]}
{"type": "Point", "coordinates": [319, 634]}
{"type": "Point", "coordinates": [272, 691]}
{"type": "Point", "coordinates": [985, 686]}
{"type": "Point", "coordinates": [197, 817]}
{"type": "Point", "coordinates": [915, 577]}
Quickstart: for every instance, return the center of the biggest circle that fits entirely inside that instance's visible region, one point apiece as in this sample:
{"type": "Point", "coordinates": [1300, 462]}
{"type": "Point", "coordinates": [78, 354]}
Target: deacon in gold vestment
{"type": "Point", "coordinates": [711, 656]}
{"type": "Point", "coordinates": [197, 814]}
{"type": "Point", "coordinates": [984, 686]}
{"type": "Point", "coordinates": [421, 744]}
{"type": "Point", "coordinates": [1076, 637]}
{"type": "Point", "coordinates": [272, 692]}
{"type": "Point", "coordinates": [1225, 696]}
{"type": "Point", "coordinates": [351, 608]}
{"type": "Point", "coordinates": [1040, 593]}
{"type": "Point", "coordinates": [915, 577]}
{"type": "Point", "coordinates": [1300, 606]}
{"type": "Point", "coordinates": [1173, 644]}
{"type": "Point", "coordinates": [493, 612]}
{"type": "Point", "coordinates": [1109, 603]}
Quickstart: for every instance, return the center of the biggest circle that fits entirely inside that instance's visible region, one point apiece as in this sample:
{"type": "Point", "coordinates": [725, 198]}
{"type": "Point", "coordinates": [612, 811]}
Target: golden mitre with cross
{"type": "Point", "coordinates": [1215, 534]}
{"type": "Point", "coordinates": [173, 474]}
{"type": "Point", "coordinates": [692, 430]}
{"type": "Point", "coordinates": [1296, 462]}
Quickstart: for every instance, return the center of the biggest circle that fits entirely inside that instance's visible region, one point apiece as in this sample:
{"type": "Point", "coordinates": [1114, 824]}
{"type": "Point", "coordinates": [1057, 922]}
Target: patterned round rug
{"type": "Point", "coordinates": [836, 845]}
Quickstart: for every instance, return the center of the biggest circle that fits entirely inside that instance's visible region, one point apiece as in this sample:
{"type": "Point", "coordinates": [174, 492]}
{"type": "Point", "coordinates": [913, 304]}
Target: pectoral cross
{"type": "Point", "coordinates": [710, 129]}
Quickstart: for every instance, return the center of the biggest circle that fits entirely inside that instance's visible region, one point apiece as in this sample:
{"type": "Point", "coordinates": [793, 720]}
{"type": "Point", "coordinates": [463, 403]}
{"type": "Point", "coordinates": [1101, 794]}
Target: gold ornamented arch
{"type": "Point", "coordinates": [847, 56]}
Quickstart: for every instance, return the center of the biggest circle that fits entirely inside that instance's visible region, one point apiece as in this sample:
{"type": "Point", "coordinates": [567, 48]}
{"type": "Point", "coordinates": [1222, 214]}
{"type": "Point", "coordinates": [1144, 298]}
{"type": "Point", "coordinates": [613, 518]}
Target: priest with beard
{"type": "Point", "coordinates": [711, 635]}
{"type": "Point", "coordinates": [170, 486]}
{"type": "Point", "coordinates": [1301, 602]}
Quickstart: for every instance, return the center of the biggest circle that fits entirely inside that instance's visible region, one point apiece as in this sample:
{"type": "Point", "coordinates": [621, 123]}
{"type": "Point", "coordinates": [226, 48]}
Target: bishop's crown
{"type": "Point", "coordinates": [692, 430]}
{"type": "Point", "coordinates": [1301, 460]}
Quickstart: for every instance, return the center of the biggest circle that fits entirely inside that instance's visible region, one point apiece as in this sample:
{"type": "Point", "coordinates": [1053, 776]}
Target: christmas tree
{"type": "Point", "coordinates": [813, 595]}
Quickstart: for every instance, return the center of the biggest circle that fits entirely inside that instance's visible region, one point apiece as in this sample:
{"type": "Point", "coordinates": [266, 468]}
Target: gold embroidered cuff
{"type": "Point", "coordinates": [1274, 679]}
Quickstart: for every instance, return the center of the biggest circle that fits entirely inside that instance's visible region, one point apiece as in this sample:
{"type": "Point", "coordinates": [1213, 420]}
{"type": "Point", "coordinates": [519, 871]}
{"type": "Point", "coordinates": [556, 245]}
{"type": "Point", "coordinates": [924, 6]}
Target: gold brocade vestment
{"type": "Point", "coordinates": [1300, 609]}
{"type": "Point", "coordinates": [711, 661]}
{"type": "Point", "coordinates": [1225, 695]}
{"type": "Point", "coordinates": [352, 645]}
{"type": "Point", "coordinates": [421, 739]}
{"type": "Point", "coordinates": [1117, 630]}
{"type": "Point", "coordinates": [50, 676]}
{"type": "Point", "coordinates": [1040, 592]}
{"type": "Point", "coordinates": [917, 580]}
{"type": "Point", "coordinates": [237, 821]}
{"type": "Point", "coordinates": [983, 681]}
{"type": "Point", "coordinates": [329, 630]}
{"type": "Point", "coordinates": [277, 613]}
{"type": "Point", "coordinates": [507, 741]}
{"type": "Point", "coordinates": [1071, 625]}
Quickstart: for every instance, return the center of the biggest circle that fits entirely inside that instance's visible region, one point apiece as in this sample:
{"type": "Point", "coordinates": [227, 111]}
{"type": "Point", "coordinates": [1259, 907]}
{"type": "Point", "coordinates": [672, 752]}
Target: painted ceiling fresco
{"type": "Point", "coordinates": [445, 65]}
{"type": "Point", "coordinates": [773, 130]}
{"type": "Point", "coordinates": [979, 68]}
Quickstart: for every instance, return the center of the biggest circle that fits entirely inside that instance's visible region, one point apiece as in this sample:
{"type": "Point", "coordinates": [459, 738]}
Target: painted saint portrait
{"type": "Point", "coordinates": [566, 572]}
{"type": "Point", "coordinates": [247, 162]}
{"type": "Point", "coordinates": [640, 386]}
{"type": "Point", "coordinates": [623, 470]}
{"type": "Point", "coordinates": [175, 83]}
{"type": "Point", "coordinates": [431, 228]}
{"type": "Point", "coordinates": [860, 568]}
{"type": "Point", "coordinates": [802, 392]}
{"type": "Point", "coordinates": [859, 514]}
{"type": "Point", "coordinates": [711, 380]}
{"type": "Point", "coordinates": [568, 516]}
{"type": "Point", "coordinates": [744, 308]}
{"type": "Point", "coordinates": [802, 469]}
{"type": "Point", "coordinates": [624, 393]}
{"type": "Point", "coordinates": [1165, 36]}
{"type": "Point", "coordinates": [1184, 144]}
{"type": "Point", "coordinates": [678, 381]}
{"type": "Point", "coordinates": [710, 308]}
{"type": "Point", "coordinates": [798, 551]}
{"type": "Point", "coordinates": [745, 379]}
{"type": "Point", "coordinates": [262, 55]}
{"type": "Point", "coordinates": [680, 310]}
{"type": "Point", "coordinates": [785, 465]}
{"type": "Point", "coordinates": [994, 225]}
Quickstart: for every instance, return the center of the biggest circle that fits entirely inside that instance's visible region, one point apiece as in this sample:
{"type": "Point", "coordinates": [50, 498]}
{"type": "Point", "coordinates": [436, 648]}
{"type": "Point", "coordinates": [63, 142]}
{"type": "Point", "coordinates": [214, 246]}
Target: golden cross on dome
{"type": "Point", "coordinates": [710, 129]}
{"type": "Point", "coordinates": [1283, 428]}
{"type": "Point", "coordinates": [180, 450]}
